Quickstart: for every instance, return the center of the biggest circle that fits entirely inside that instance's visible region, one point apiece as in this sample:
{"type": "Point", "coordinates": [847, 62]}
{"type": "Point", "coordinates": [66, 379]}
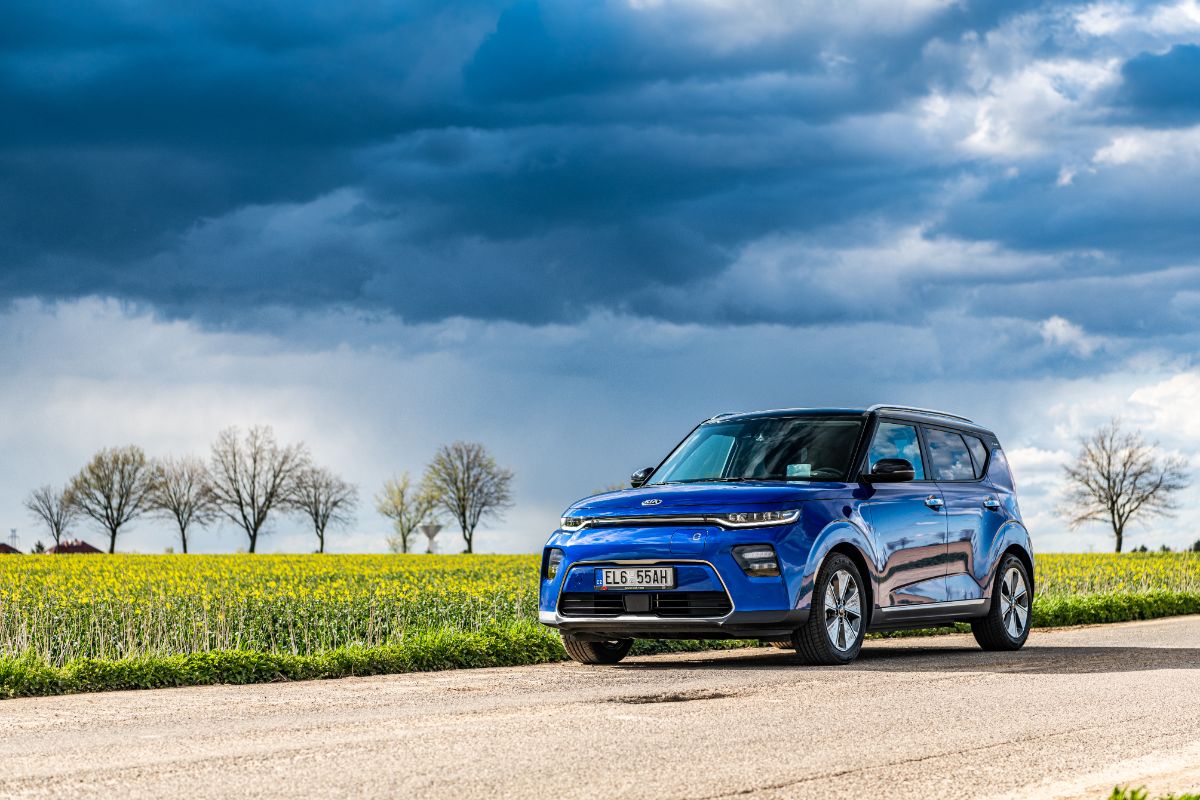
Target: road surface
{"type": "Point", "coordinates": [1077, 711]}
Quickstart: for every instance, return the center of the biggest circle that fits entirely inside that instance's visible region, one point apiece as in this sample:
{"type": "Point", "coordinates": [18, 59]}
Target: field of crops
{"type": "Point", "coordinates": [129, 605]}
{"type": "Point", "coordinates": [67, 612]}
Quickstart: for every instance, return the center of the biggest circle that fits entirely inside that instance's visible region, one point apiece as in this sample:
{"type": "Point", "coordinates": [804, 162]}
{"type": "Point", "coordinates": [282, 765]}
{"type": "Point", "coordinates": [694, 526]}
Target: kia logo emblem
{"type": "Point", "coordinates": [653, 502]}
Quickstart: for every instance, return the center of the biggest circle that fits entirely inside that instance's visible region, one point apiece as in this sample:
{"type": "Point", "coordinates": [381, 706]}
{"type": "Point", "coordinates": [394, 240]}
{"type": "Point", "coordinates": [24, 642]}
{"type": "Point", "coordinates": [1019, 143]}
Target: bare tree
{"type": "Point", "coordinates": [249, 476]}
{"type": "Point", "coordinates": [113, 488]}
{"type": "Point", "coordinates": [469, 485]}
{"type": "Point", "coordinates": [324, 498]}
{"type": "Point", "coordinates": [1118, 477]}
{"type": "Point", "coordinates": [408, 507]}
{"type": "Point", "coordinates": [181, 492]}
{"type": "Point", "coordinates": [54, 508]}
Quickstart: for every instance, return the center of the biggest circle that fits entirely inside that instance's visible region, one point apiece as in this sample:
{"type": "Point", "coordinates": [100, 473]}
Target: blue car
{"type": "Point", "coordinates": [805, 528]}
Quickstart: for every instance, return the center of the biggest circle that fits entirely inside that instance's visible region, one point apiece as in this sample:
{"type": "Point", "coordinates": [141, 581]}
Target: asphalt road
{"type": "Point", "coordinates": [1075, 712]}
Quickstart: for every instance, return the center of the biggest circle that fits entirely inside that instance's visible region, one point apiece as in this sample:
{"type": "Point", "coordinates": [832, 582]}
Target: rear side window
{"type": "Point", "coordinates": [897, 441]}
{"type": "Point", "coordinates": [999, 473]}
{"type": "Point", "coordinates": [948, 456]}
{"type": "Point", "coordinates": [978, 453]}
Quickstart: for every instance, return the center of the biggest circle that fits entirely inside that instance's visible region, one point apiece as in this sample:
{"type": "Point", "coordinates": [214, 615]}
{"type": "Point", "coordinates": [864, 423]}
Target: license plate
{"type": "Point", "coordinates": [635, 578]}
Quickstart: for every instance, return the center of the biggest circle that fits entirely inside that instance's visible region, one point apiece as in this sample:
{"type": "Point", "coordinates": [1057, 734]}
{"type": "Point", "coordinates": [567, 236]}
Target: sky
{"type": "Point", "coordinates": [571, 230]}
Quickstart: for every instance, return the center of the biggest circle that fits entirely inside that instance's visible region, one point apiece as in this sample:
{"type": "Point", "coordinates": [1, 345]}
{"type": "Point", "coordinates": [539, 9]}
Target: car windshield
{"type": "Point", "coordinates": [764, 449]}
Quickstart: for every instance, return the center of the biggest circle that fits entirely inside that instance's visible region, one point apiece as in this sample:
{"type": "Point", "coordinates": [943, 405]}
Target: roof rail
{"type": "Point", "coordinates": [915, 409]}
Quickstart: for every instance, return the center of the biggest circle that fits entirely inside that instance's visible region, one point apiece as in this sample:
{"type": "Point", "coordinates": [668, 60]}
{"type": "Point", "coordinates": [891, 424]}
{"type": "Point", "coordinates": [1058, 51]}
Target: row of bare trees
{"type": "Point", "coordinates": [462, 482]}
{"type": "Point", "coordinates": [250, 476]}
{"type": "Point", "coordinates": [247, 477]}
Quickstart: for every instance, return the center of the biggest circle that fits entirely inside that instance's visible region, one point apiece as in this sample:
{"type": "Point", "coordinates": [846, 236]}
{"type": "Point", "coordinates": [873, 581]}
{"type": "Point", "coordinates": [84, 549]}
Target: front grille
{"type": "Point", "coordinates": [662, 604]}
{"type": "Point", "coordinates": [692, 604]}
{"type": "Point", "coordinates": [591, 604]}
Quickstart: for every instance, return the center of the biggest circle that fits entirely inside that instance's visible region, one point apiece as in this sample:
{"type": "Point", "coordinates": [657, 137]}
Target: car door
{"type": "Point", "coordinates": [954, 467]}
{"type": "Point", "coordinates": [907, 522]}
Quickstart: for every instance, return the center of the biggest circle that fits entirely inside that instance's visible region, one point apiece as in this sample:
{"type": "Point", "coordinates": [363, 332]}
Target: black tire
{"type": "Point", "coordinates": [784, 645]}
{"type": "Point", "coordinates": [1007, 612]}
{"type": "Point", "coordinates": [595, 652]}
{"type": "Point", "coordinates": [834, 634]}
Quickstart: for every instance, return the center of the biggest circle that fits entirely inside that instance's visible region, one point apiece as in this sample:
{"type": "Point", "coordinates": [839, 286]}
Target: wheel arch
{"type": "Point", "coordinates": [1011, 538]}
{"type": "Point", "coordinates": [1025, 558]}
{"type": "Point", "coordinates": [846, 538]}
{"type": "Point", "coordinates": [856, 556]}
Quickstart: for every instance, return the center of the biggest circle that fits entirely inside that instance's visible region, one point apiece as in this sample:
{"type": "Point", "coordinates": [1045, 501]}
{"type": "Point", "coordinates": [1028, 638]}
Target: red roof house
{"type": "Point", "coordinates": [75, 546]}
{"type": "Point", "coordinates": [8, 549]}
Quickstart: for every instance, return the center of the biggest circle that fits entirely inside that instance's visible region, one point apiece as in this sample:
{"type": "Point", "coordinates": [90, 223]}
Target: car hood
{"type": "Point", "coordinates": [713, 497]}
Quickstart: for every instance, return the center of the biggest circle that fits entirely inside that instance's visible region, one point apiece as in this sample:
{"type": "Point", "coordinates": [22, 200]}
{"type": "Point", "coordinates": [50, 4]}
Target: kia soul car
{"type": "Point", "coordinates": [806, 528]}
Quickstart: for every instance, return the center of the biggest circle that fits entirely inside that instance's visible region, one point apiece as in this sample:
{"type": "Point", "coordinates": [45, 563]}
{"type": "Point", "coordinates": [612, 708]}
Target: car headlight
{"type": "Point", "coordinates": [572, 523]}
{"type": "Point", "coordinates": [757, 559]}
{"type": "Point", "coordinates": [554, 558]}
{"type": "Point", "coordinates": [757, 519]}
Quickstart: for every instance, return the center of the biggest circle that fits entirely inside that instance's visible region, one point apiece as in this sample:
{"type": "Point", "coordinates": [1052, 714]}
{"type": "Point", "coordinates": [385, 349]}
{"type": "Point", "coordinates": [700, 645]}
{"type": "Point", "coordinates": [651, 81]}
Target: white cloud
{"type": "Point", "coordinates": [1121, 19]}
{"type": "Point", "coordinates": [1175, 149]}
{"type": "Point", "coordinates": [1063, 333]}
{"type": "Point", "coordinates": [1171, 407]}
{"type": "Point", "coordinates": [886, 273]}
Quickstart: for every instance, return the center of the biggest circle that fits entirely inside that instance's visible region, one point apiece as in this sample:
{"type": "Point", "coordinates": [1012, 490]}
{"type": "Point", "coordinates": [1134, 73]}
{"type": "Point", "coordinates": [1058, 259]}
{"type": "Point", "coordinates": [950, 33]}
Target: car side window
{"type": "Point", "coordinates": [948, 456]}
{"type": "Point", "coordinates": [893, 440]}
{"type": "Point", "coordinates": [978, 454]}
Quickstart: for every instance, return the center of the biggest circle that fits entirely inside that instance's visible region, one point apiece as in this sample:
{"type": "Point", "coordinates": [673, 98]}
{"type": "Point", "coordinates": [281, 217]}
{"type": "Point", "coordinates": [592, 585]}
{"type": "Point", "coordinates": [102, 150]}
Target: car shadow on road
{"type": "Point", "coordinates": [1034, 660]}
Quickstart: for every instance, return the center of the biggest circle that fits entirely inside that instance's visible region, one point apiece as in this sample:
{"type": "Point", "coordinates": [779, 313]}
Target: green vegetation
{"type": "Point", "coordinates": [1140, 794]}
{"type": "Point", "coordinates": [88, 623]}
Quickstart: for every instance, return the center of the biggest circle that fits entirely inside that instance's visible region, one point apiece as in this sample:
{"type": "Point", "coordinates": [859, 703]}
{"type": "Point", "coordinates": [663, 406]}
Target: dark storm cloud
{"type": "Point", "coordinates": [522, 161]}
{"type": "Point", "coordinates": [1162, 88]}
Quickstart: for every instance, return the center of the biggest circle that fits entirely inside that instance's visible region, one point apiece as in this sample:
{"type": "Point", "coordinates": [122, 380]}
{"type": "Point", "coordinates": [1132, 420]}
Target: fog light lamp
{"type": "Point", "coordinates": [757, 560]}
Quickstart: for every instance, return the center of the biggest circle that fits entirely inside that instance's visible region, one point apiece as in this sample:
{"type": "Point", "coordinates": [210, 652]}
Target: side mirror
{"type": "Point", "coordinates": [891, 470]}
{"type": "Point", "coordinates": [640, 477]}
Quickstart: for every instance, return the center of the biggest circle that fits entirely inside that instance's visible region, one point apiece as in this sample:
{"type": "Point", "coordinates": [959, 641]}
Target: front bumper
{"type": "Point", "coordinates": [734, 625]}
{"type": "Point", "coordinates": [711, 600]}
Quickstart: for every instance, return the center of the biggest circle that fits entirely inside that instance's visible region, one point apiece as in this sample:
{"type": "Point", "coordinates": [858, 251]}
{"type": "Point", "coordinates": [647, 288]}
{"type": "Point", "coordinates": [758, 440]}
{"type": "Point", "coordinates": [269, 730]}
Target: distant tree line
{"type": "Point", "coordinates": [249, 477]}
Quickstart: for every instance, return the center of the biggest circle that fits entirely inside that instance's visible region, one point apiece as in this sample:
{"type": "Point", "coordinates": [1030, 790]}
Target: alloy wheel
{"type": "Point", "coordinates": [1014, 603]}
{"type": "Point", "coordinates": [843, 610]}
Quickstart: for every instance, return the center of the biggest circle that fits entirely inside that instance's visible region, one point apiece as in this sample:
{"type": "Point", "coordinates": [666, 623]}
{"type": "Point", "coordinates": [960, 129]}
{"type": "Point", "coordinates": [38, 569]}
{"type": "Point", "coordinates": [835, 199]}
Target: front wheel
{"type": "Point", "coordinates": [586, 652]}
{"type": "Point", "coordinates": [1006, 626]}
{"type": "Point", "coordinates": [837, 621]}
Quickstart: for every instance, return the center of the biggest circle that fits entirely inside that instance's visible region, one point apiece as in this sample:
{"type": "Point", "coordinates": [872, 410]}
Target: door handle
{"type": "Point", "coordinates": [991, 504]}
{"type": "Point", "coordinates": [935, 502]}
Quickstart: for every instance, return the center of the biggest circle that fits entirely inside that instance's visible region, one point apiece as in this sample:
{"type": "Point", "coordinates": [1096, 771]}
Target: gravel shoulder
{"type": "Point", "coordinates": [1075, 712]}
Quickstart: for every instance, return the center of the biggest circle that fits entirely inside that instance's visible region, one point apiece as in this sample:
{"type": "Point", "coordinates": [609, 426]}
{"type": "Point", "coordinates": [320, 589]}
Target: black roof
{"type": "Point", "coordinates": [927, 415]}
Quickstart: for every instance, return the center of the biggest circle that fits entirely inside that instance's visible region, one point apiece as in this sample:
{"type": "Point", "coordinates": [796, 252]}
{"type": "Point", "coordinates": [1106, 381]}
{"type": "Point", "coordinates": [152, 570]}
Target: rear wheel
{"type": "Point", "coordinates": [837, 622]}
{"type": "Point", "coordinates": [586, 652]}
{"type": "Point", "coordinates": [1006, 626]}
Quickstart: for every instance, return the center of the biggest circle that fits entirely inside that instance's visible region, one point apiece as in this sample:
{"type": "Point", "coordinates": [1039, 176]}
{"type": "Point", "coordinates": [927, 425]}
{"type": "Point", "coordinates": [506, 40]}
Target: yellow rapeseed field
{"type": "Point", "coordinates": [1102, 573]}
{"type": "Point", "coordinates": [63, 607]}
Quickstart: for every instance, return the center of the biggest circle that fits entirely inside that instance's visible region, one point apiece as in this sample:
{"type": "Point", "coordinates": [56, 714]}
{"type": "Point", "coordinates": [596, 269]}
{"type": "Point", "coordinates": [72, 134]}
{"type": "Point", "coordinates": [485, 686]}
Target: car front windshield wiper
{"type": "Point", "coordinates": [742, 479]}
{"type": "Point", "coordinates": [712, 480]}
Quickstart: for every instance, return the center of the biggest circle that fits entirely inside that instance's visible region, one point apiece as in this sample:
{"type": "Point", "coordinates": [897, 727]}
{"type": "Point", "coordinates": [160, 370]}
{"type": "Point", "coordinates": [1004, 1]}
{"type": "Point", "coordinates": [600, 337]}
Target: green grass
{"type": "Point", "coordinates": [514, 644]}
{"type": "Point", "coordinates": [1061, 610]}
{"type": "Point", "coordinates": [1140, 794]}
